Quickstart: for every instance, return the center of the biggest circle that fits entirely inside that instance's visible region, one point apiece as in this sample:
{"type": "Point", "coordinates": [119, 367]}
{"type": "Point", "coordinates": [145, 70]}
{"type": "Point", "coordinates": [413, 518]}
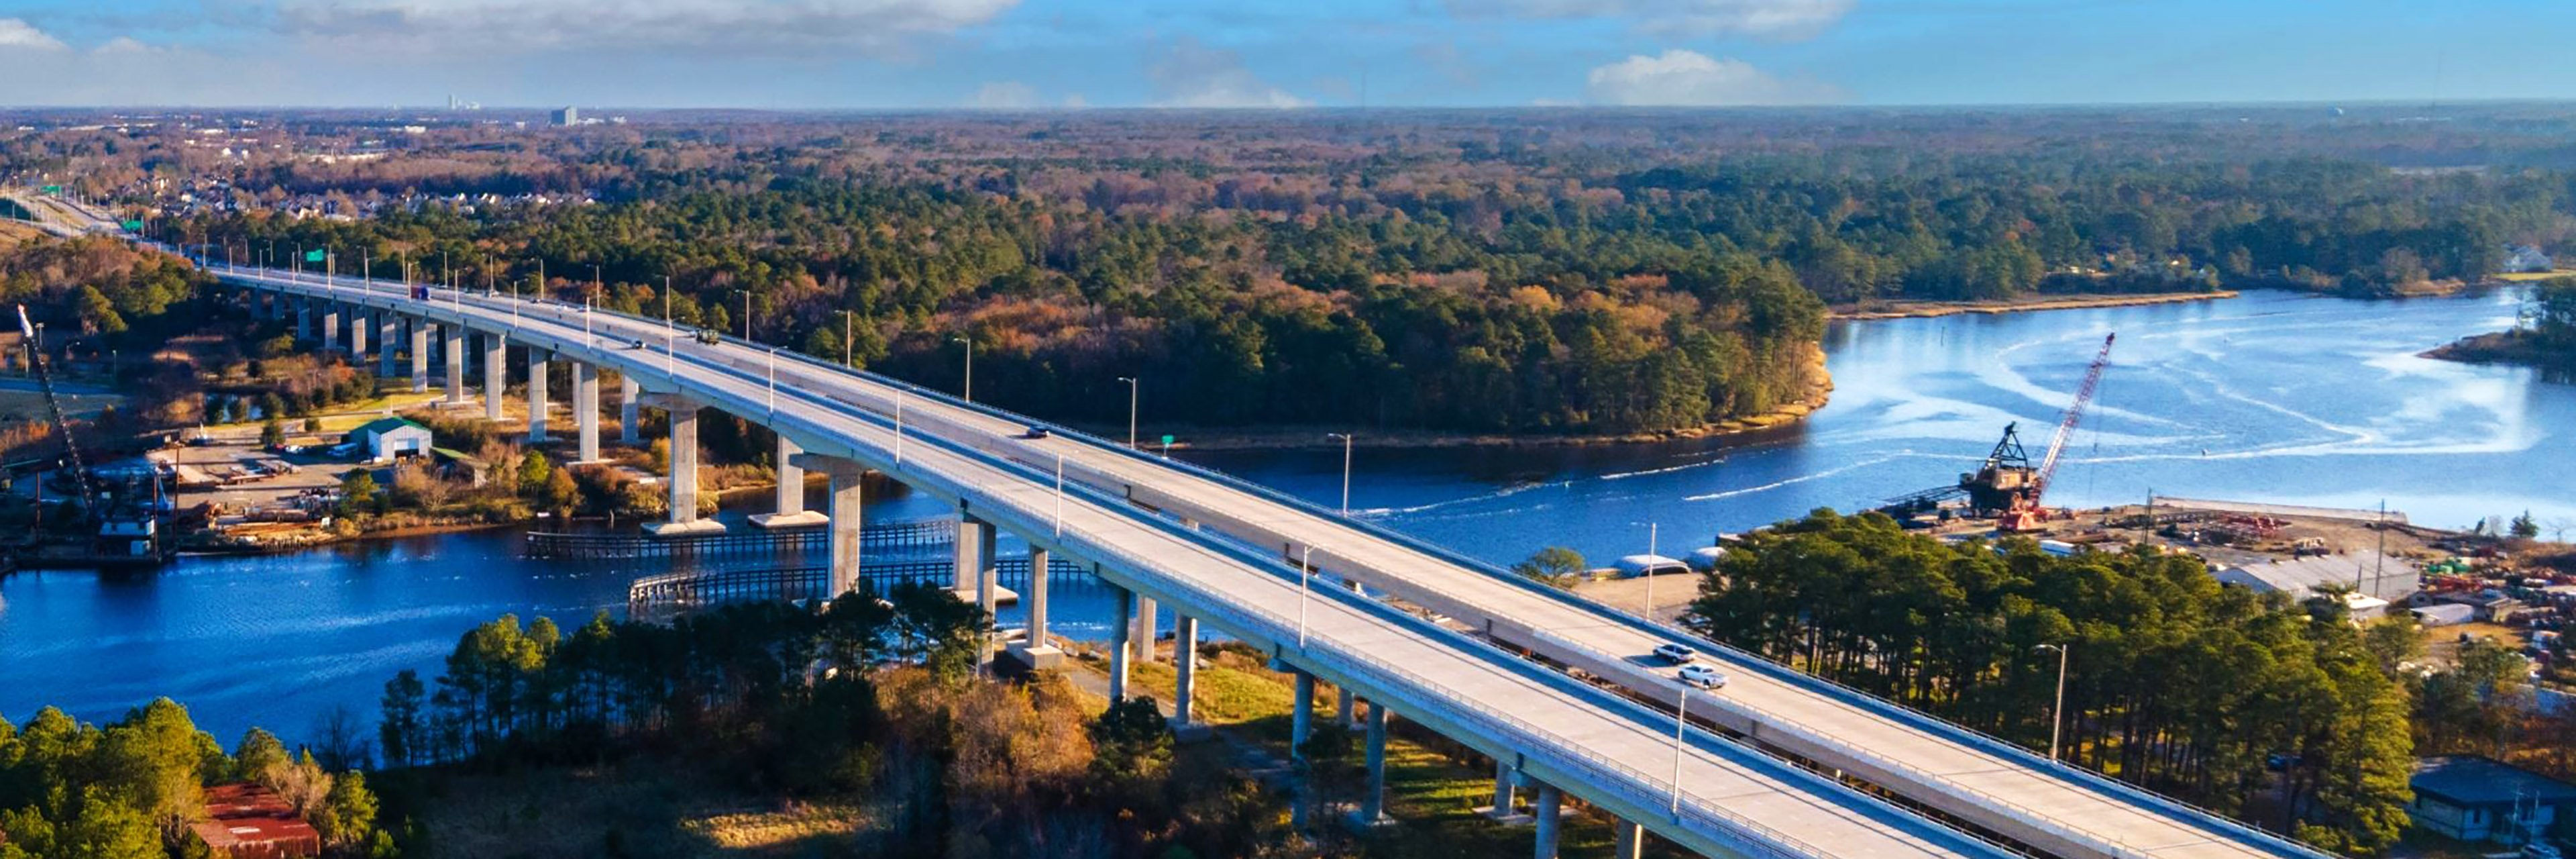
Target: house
{"type": "Point", "coordinates": [2525, 259]}
{"type": "Point", "coordinates": [386, 438]}
{"type": "Point", "coordinates": [2365, 573]}
{"type": "Point", "coordinates": [459, 465]}
{"type": "Point", "coordinates": [2473, 798]}
{"type": "Point", "coordinates": [247, 821]}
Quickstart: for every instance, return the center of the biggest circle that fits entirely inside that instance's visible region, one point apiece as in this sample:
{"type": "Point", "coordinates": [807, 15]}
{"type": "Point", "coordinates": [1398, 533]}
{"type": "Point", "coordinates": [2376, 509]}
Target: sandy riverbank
{"type": "Point", "coordinates": [1916, 309]}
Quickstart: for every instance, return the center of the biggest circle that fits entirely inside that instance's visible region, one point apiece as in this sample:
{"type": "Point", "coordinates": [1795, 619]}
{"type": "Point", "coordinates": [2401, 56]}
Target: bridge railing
{"type": "Point", "coordinates": [888, 537]}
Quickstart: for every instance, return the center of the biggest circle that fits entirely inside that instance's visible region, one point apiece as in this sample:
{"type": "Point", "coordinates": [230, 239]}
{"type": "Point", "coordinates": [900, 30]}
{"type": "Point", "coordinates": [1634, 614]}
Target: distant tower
{"type": "Point", "coordinates": [451, 102]}
{"type": "Point", "coordinates": [567, 117]}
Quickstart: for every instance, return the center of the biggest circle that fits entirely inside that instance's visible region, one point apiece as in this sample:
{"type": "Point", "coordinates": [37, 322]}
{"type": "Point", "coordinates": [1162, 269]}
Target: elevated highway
{"type": "Point", "coordinates": [1548, 730]}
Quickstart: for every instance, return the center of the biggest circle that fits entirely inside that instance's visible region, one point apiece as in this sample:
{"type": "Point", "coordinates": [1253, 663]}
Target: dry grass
{"type": "Point", "coordinates": [786, 830]}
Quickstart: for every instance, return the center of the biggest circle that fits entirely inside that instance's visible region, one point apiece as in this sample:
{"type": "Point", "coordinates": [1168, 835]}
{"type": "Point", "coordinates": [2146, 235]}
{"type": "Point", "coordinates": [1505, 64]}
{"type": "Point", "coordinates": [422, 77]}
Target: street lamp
{"type": "Point", "coordinates": [1305, 572]}
{"type": "Point", "coordinates": [1131, 409]}
{"type": "Point", "coordinates": [970, 369]}
{"type": "Point", "coordinates": [1653, 533]}
{"type": "Point", "coordinates": [1346, 470]}
{"type": "Point", "coordinates": [1681, 719]}
{"type": "Point", "coordinates": [2056, 713]}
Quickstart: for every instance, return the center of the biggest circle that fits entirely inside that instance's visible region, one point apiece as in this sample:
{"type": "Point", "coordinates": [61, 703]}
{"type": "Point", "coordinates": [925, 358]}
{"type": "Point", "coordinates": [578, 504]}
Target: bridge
{"type": "Point", "coordinates": [1765, 767]}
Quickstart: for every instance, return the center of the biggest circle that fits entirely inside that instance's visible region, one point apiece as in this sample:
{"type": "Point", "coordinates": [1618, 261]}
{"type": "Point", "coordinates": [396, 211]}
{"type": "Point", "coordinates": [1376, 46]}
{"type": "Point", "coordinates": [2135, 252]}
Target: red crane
{"type": "Point", "coordinates": [2027, 512]}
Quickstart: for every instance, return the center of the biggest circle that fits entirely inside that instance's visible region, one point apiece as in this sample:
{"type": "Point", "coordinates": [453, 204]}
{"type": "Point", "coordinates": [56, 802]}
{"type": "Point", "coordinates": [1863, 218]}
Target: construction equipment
{"type": "Point", "coordinates": [71, 445]}
{"type": "Point", "coordinates": [2008, 486]}
{"type": "Point", "coordinates": [2026, 512]}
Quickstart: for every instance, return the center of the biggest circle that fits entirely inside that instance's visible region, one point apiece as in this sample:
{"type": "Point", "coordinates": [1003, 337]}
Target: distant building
{"type": "Point", "coordinates": [2525, 259]}
{"type": "Point", "coordinates": [2382, 580]}
{"type": "Point", "coordinates": [2471, 798]}
{"type": "Point", "coordinates": [388, 438]}
{"type": "Point", "coordinates": [247, 821]}
{"type": "Point", "coordinates": [567, 117]}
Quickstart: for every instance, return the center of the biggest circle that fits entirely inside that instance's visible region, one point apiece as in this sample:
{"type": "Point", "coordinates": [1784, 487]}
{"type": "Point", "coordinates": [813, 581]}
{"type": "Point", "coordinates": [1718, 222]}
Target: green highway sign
{"type": "Point", "coordinates": [1167, 441]}
{"type": "Point", "coordinates": [313, 256]}
{"type": "Point", "coordinates": [136, 226]}
{"type": "Point", "coordinates": [52, 189]}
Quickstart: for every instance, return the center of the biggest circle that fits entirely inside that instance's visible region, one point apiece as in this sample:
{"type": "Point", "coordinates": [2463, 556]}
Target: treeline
{"type": "Point", "coordinates": [2250, 705]}
{"type": "Point", "coordinates": [872, 700]}
{"type": "Point", "coordinates": [72, 790]}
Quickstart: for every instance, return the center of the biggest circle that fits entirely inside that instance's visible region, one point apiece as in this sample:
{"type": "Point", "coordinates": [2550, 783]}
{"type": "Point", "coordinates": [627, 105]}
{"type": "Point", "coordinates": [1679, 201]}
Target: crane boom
{"type": "Point", "coordinates": [2074, 414]}
{"type": "Point", "coordinates": [45, 378]}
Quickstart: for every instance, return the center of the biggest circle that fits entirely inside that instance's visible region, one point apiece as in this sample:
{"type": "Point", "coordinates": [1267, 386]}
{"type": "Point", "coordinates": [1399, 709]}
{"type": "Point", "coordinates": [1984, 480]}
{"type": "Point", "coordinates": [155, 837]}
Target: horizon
{"type": "Point", "coordinates": [916, 55]}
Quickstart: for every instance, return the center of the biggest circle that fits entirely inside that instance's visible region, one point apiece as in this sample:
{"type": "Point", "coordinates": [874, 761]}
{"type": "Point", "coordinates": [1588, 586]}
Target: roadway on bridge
{"type": "Point", "coordinates": [1727, 788]}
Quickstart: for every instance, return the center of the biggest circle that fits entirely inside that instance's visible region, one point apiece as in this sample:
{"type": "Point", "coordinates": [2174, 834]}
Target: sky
{"type": "Point", "coordinates": [1058, 54]}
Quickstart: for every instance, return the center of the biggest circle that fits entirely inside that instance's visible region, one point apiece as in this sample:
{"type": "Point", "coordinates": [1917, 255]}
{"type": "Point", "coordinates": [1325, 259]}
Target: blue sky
{"type": "Point", "coordinates": [1276, 53]}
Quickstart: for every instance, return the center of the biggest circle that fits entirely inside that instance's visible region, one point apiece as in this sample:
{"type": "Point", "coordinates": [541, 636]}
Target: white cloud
{"type": "Point", "coordinates": [1786, 19]}
{"type": "Point", "coordinates": [1003, 95]}
{"type": "Point", "coordinates": [17, 33]}
{"type": "Point", "coordinates": [1193, 74]}
{"type": "Point", "coordinates": [1690, 78]}
{"type": "Point", "coordinates": [719, 25]}
{"type": "Point", "coordinates": [1076, 101]}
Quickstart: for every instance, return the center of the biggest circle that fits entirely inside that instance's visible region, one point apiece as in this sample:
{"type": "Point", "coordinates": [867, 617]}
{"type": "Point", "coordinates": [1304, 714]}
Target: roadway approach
{"type": "Point", "coordinates": [1771, 779]}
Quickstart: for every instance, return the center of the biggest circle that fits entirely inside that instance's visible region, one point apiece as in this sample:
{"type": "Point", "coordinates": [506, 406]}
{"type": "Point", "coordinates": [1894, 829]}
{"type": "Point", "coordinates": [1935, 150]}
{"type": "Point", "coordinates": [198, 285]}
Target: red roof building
{"type": "Point", "coordinates": [247, 821]}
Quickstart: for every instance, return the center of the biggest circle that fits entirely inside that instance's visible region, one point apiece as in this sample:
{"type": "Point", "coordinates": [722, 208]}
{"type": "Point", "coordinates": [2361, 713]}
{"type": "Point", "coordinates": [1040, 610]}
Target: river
{"type": "Point", "coordinates": [2272, 396]}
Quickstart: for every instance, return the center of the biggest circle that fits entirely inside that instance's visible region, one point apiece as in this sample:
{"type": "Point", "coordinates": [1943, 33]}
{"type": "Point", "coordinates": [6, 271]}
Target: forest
{"type": "Point", "coordinates": [1541, 273]}
{"type": "Point", "coordinates": [2308, 733]}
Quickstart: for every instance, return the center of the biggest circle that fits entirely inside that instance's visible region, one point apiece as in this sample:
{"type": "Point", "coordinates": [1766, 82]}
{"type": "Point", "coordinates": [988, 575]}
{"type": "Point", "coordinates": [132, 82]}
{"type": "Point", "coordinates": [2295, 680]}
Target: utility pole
{"type": "Point", "coordinates": [2057, 713]}
{"type": "Point", "coordinates": [1346, 469]}
{"type": "Point", "coordinates": [970, 368]}
{"type": "Point", "coordinates": [1131, 409]}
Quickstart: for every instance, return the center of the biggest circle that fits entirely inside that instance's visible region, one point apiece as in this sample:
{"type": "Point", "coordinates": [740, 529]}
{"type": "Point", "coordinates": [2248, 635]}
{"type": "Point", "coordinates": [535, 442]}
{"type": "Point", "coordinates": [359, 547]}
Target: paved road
{"type": "Point", "coordinates": [1618, 751]}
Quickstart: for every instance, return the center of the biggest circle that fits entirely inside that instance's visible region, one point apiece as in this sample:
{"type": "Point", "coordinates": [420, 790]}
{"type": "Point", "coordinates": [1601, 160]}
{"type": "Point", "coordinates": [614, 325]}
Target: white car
{"type": "Point", "coordinates": [1676, 654]}
{"type": "Point", "coordinates": [1703, 677]}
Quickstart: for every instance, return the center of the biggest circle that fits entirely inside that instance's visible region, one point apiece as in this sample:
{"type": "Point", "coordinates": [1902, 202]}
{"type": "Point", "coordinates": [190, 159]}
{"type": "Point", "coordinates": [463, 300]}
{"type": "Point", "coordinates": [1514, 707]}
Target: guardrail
{"type": "Point", "coordinates": [896, 536]}
{"type": "Point", "coordinates": [1356, 663]}
{"type": "Point", "coordinates": [804, 581]}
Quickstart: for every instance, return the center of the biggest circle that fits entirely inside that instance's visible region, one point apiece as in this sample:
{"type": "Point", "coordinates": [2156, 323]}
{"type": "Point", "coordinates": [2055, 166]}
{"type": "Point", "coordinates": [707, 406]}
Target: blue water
{"type": "Point", "coordinates": [2271, 397]}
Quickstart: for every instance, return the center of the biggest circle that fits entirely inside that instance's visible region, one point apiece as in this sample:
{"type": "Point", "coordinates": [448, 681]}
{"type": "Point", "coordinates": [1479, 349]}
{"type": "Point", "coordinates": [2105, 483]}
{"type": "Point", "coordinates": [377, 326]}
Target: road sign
{"type": "Point", "coordinates": [314, 255]}
{"type": "Point", "coordinates": [52, 189]}
{"type": "Point", "coordinates": [133, 226]}
{"type": "Point", "coordinates": [1167, 441]}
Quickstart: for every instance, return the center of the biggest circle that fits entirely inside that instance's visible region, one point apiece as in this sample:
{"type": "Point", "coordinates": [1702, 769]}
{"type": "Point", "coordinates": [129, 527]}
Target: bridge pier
{"type": "Point", "coordinates": [1627, 840]}
{"type": "Point", "coordinates": [330, 326]}
{"type": "Point", "coordinates": [496, 373]}
{"type": "Point", "coordinates": [848, 494]}
{"type": "Point", "coordinates": [683, 479]}
{"type": "Point", "coordinates": [1372, 809]}
{"type": "Point", "coordinates": [388, 332]}
{"type": "Point", "coordinates": [978, 577]}
{"type": "Point", "coordinates": [1146, 623]}
{"type": "Point", "coordinates": [1346, 710]}
{"type": "Point", "coordinates": [419, 355]}
{"type": "Point", "coordinates": [537, 378]}
{"type": "Point", "coordinates": [1549, 798]}
{"type": "Point", "coordinates": [1506, 801]}
{"type": "Point", "coordinates": [455, 355]}
{"type": "Point", "coordinates": [790, 511]}
{"type": "Point", "coordinates": [1119, 629]}
{"type": "Point", "coordinates": [630, 415]}
{"type": "Point", "coordinates": [585, 408]}
{"type": "Point", "coordinates": [1301, 724]}
{"type": "Point", "coordinates": [304, 319]}
{"type": "Point", "coordinates": [357, 335]}
{"type": "Point", "coordinates": [1034, 651]}
{"type": "Point", "coordinates": [1185, 657]}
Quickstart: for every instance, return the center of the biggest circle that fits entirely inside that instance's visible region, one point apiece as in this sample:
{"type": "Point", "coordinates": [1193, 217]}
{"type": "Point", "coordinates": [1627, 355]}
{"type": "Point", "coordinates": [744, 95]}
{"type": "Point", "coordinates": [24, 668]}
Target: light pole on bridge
{"type": "Point", "coordinates": [970, 367]}
{"type": "Point", "coordinates": [1346, 469]}
{"type": "Point", "coordinates": [1132, 395]}
{"type": "Point", "coordinates": [2056, 712]}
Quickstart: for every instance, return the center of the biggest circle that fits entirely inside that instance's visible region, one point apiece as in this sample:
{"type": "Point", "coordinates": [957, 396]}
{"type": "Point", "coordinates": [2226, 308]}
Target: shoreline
{"type": "Point", "coordinates": [1931, 309]}
{"type": "Point", "coordinates": [1305, 438]}
{"type": "Point", "coordinates": [2497, 348]}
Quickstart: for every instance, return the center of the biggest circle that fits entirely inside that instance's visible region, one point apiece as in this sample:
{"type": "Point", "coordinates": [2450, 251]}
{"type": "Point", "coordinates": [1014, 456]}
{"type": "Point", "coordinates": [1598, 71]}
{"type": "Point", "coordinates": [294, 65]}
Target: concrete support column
{"type": "Point", "coordinates": [1505, 787]}
{"type": "Point", "coordinates": [1302, 724]}
{"type": "Point", "coordinates": [630, 414]}
{"type": "Point", "coordinates": [496, 373]}
{"type": "Point", "coordinates": [1037, 650]}
{"type": "Point", "coordinates": [791, 510]}
{"type": "Point", "coordinates": [1373, 802]}
{"type": "Point", "coordinates": [304, 319]}
{"type": "Point", "coordinates": [1548, 800]}
{"type": "Point", "coordinates": [388, 344]}
{"type": "Point", "coordinates": [419, 355]}
{"type": "Point", "coordinates": [1118, 630]}
{"type": "Point", "coordinates": [1345, 710]}
{"type": "Point", "coordinates": [1627, 840]}
{"type": "Point", "coordinates": [846, 495]}
{"type": "Point", "coordinates": [537, 376]}
{"type": "Point", "coordinates": [585, 409]}
{"type": "Point", "coordinates": [976, 569]}
{"type": "Point", "coordinates": [1185, 656]}
{"type": "Point", "coordinates": [1146, 626]}
{"type": "Point", "coordinates": [330, 325]}
{"type": "Point", "coordinates": [683, 478]}
{"type": "Point", "coordinates": [455, 354]}
{"type": "Point", "coordinates": [357, 335]}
